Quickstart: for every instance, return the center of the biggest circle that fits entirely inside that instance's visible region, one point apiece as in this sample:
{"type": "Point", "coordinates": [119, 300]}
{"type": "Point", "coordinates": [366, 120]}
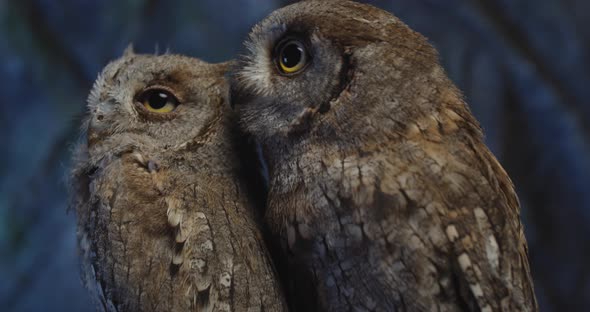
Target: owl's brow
{"type": "Point", "coordinates": [126, 63]}
{"type": "Point", "coordinates": [274, 33]}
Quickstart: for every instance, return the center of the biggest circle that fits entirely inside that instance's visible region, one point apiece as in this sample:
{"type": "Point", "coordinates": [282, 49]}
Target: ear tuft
{"type": "Point", "coordinates": [129, 51]}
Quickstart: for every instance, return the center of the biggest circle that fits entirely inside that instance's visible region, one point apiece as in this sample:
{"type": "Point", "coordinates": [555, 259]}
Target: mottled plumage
{"type": "Point", "coordinates": [381, 189]}
{"type": "Point", "coordinates": [165, 222]}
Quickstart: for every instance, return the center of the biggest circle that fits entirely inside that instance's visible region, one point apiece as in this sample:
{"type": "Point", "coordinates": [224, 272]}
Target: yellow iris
{"type": "Point", "coordinates": [159, 101]}
{"type": "Point", "coordinates": [292, 57]}
{"type": "Point", "coordinates": [164, 109]}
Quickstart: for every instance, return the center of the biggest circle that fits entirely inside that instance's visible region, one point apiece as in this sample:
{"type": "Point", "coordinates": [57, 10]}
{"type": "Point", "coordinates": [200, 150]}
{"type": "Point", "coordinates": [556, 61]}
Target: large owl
{"type": "Point", "coordinates": [165, 222]}
{"type": "Point", "coordinates": [381, 189]}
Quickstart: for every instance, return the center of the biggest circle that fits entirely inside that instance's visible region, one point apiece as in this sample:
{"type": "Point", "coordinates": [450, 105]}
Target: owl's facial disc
{"type": "Point", "coordinates": [290, 76]}
{"type": "Point", "coordinates": [153, 104]}
{"type": "Point", "coordinates": [157, 101]}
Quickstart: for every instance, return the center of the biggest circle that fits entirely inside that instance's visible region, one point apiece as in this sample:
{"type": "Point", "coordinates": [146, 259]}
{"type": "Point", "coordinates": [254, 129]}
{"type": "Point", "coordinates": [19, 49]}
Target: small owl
{"type": "Point", "coordinates": [381, 189]}
{"type": "Point", "coordinates": [164, 219]}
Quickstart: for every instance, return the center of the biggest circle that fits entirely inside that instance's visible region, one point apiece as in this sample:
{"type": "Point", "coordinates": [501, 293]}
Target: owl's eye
{"type": "Point", "coordinates": [292, 56]}
{"type": "Point", "coordinates": [158, 100]}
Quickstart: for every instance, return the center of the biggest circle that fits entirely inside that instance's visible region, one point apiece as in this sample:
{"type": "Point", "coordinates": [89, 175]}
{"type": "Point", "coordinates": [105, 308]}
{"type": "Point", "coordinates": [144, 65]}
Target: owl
{"type": "Point", "coordinates": [381, 190]}
{"type": "Point", "coordinates": [165, 222]}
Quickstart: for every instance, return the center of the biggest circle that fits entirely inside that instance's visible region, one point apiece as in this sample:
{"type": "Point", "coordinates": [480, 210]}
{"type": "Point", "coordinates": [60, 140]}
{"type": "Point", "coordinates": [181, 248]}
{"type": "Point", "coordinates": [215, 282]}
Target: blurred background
{"type": "Point", "coordinates": [524, 66]}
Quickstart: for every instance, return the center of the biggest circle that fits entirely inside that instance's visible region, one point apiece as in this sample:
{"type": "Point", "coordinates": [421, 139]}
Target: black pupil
{"type": "Point", "coordinates": [292, 55]}
{"type": "Point", "coordinates": [158, 100]}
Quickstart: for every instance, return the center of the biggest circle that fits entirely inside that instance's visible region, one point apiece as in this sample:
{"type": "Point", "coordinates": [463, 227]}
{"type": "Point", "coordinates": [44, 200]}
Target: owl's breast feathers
{"type": "Point", "coordinates": [157, 238]}
{"type": "Point", "coordinates": [429, 222]}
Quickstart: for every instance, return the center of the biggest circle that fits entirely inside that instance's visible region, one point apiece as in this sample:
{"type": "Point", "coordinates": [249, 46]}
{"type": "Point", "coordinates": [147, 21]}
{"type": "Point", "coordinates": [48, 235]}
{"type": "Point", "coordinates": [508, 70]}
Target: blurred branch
{"type": "Point", "coordinates": [31, 36]}
{"type": "Point", "coordinates": [52, 59]}
{"type": "Point", "coordinates": [518, 41]}
{"type": "Point", "coordinates": [47, 43]}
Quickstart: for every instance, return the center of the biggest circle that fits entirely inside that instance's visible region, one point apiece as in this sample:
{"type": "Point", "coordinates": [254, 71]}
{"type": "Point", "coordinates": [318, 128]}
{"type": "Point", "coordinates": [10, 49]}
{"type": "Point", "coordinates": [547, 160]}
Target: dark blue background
{"type": "Point", "coordinates": [524, 66]}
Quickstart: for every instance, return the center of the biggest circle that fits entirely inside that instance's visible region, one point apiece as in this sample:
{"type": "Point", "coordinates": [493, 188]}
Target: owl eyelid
{"type": "Point", "coordinates": [284, 39]}
{"type": "Point", "coordinates": [158, 87]}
